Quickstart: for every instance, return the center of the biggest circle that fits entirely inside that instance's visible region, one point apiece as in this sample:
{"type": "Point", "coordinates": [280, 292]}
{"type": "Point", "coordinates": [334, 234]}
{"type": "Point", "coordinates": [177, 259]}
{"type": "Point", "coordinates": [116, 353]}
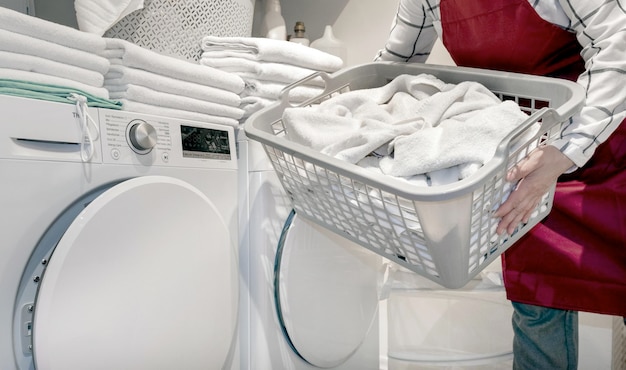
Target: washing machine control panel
{"type": "Point", "coordinates": [134, 138]}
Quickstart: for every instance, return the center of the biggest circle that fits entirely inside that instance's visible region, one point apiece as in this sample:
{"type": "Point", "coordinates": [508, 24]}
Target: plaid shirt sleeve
{"type": "Point", "coordinates": [600, 27]}
{"type": "Point", "coordinates": [412, 34]}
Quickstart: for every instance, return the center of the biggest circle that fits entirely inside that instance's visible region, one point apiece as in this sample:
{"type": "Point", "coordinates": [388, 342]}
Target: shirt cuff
{"type": "Point", "coordinates": [573, 152]}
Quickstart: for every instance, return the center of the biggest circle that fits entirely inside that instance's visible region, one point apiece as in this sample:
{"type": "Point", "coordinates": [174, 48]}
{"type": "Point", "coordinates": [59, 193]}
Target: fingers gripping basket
{"type": "Point", "coordinates": [444, 233]}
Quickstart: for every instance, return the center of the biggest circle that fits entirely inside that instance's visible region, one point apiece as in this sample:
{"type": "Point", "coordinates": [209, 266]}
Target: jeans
{"type": "Point", "coordinates": [544, 338]}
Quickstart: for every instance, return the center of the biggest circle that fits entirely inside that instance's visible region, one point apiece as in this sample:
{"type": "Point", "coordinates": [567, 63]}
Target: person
{"type": "Point", "coordinates": [575, 259]}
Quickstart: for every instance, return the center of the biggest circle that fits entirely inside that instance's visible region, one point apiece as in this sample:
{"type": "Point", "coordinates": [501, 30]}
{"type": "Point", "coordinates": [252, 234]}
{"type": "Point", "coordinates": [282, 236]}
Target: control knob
{"type": "Point", "coordinates": [142, 136]}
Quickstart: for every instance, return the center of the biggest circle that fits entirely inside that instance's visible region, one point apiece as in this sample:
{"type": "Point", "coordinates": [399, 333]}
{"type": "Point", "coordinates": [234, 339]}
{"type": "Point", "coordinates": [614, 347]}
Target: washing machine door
{"type": "Point", "coordinates": [144, 278]}
{"type": "Point", "coordinates": [325, 291]}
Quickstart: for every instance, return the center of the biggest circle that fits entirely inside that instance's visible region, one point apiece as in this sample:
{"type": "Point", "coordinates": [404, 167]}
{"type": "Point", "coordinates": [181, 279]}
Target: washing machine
{"type": "Point", "coordinates": [118, 240]}
{"type": "Point", "coordinates": [313, 296]}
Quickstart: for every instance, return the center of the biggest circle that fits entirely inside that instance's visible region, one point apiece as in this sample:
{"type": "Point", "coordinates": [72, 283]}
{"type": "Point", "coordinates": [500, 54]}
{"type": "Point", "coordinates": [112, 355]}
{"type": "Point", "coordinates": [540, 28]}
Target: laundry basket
{"type": "Point", "coordinates": [444, 233]}
{"type": "Point", "coordinates": [176, 27]}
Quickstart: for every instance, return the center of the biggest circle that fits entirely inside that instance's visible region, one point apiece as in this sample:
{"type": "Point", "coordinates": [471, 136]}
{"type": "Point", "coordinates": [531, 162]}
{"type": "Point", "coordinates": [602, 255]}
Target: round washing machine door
{"type": "Point", "coordinates": [144, 278]}
{"type": "Point", "coordinates": [325, 292]}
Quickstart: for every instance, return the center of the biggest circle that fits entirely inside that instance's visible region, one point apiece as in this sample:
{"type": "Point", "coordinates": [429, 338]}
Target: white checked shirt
{"type": "Point", "coordinates": [600, 27]}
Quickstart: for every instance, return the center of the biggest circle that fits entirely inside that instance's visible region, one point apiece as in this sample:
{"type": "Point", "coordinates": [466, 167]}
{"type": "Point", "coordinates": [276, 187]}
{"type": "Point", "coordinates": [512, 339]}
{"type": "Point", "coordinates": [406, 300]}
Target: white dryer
{"type": "Point", "coordinates": [313, 295]}
{"type": "Point", "coordinates": [120, 252]}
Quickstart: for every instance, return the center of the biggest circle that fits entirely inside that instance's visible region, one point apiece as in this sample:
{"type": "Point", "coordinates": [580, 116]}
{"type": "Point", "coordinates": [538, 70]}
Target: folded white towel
{"type": "Point", "coordinates": [148, 96]}
{"type": "Point", "coordinates": [133, 106]}
{"type": "Point", "coordinates": [253, 104]}
{"type": "Point", "coordinates": [15, 74]}
{"type": "Point", "coordinates": [50, 67]}
{"type": "Point", "coordinates": [131, 55]}
{"type": "Point", "coordinates": [454, 141]}
{"type": "Point", "coordinates": [97, 16]}
{"type": "Point", "coordinates": [41, 29]}
{"type": "Point", "coordinates": [120, 77]}
{"type": "Point", "coordinates": [264, 71]}
{"type": "Point", "coordinates": [272, 90]}
{"type": "Point", "coordinates": [270, 50]}
{"type": "Point", "coordinates": [22, 44]}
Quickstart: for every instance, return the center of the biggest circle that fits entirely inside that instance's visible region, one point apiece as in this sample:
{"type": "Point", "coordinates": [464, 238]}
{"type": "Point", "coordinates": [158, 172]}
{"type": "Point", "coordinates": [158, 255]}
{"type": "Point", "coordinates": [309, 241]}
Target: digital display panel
{"type": "Point", "coordinates": [200, 142]}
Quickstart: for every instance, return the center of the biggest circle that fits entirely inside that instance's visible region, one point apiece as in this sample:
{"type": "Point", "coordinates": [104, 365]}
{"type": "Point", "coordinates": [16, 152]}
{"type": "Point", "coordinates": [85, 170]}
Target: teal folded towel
{"type": "Point", "coordinates": [54, 93]}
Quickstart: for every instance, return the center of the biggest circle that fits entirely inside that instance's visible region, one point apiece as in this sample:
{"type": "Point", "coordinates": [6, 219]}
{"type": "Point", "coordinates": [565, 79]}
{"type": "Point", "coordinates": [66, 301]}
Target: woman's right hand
{"type": "Point", "coordinates": [536, 174]}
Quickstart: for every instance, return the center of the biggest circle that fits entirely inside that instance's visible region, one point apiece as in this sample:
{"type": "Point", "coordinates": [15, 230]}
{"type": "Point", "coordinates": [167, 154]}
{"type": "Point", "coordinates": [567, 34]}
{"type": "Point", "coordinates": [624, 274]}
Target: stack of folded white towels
{"type": "Point", "coordinates": [148, 82]}
{"type": "Point", "coordinates": [42, 52]}
{"type": "Point", "coordinates": [268, 66]}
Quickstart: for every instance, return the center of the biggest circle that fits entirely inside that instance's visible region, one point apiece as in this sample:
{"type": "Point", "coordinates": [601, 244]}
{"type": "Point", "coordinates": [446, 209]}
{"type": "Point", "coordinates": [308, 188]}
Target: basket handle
{"type": "Point", "coordinates": [283, 96]}
{"type": "Point", "coordinates": [549, 118]}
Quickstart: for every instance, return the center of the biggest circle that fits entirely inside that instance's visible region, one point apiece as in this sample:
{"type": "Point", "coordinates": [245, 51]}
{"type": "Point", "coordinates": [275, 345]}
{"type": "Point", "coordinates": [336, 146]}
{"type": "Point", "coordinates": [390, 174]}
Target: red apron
{"type": "Point", "coordinates": [575, 258]}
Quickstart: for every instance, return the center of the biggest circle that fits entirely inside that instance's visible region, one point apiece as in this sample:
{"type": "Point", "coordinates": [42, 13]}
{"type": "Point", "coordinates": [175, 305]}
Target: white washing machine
{"type": "Point", "coordinates": [313, 296]}
{"type": "Point", "coordinates": [119, 254]}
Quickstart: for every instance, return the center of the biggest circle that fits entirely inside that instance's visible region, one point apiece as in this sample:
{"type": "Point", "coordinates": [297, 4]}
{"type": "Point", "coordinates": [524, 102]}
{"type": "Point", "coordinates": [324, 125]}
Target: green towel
{"type": "Point", "coordinates": [54, 93]}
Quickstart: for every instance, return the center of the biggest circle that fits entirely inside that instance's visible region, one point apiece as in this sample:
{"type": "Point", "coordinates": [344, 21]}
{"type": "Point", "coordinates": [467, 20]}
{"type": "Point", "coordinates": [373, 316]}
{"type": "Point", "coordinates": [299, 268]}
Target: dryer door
{"type": "Point", "coordinates": [326, 292]}
{"type": "Point", "coordinates": [144, 278]}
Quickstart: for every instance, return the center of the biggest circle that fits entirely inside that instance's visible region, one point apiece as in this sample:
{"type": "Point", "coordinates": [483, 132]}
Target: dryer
{"type": "Point", "coordinates": [119, 240]}
{"type": "Point", "coordinates": [312, 297]}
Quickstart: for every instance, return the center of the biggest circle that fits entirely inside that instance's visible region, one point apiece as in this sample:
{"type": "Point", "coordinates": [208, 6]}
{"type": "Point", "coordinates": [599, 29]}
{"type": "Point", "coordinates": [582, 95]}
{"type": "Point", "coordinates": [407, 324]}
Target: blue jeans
{"type": "Point", "coordinates": [544, 338]}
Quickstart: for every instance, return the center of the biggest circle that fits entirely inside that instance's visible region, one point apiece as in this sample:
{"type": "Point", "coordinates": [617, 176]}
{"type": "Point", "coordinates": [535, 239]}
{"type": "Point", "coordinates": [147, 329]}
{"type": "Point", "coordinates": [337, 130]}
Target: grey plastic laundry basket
{"type": "Point", "coordinates": [444, 233]}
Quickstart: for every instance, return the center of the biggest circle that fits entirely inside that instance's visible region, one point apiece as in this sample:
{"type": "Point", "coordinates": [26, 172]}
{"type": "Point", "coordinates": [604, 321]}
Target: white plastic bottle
{"type": "Point", "coordinates": [299, 36]}
{"type": "Point", "coordinates": [273, 26]}
{"type": "Point", "coordinates": [330, 44]}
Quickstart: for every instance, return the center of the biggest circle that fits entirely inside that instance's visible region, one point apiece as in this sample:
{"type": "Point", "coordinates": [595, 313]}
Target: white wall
{"type": "Point", "coordinates": [362, 24]}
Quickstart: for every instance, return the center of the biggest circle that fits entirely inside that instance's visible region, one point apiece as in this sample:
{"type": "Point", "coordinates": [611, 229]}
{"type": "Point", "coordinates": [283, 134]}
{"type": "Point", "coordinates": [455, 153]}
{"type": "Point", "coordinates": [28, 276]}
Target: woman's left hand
{"type": "Point", "coordinates": [536, 174]}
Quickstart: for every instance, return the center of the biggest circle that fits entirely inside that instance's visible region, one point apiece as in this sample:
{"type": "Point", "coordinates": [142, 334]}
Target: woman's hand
{"type": "Point", "coordinates": [537, 172]}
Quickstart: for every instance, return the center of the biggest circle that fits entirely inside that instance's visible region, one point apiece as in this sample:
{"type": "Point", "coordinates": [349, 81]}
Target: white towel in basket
{"type": "Point", "coordinates": [352, 125]}
{"type": "Point", "coordinates": [27, 45]}
{"type": "Point", "coordinates": [451, 121]}
{"type": "Point", "coordinates": [457, 140]}
{"type": "Point", "coordinates": [128, 54]}
{"type": "Point", "coordinates": [146, 95]}
{"type": "Point", "coordinates": [120, 77]}
{"type": "Point", "coordinates": [270, 50]}
{"type": "Point", "coordinates": [264, 71]}
{"type": "Point", "coordinates": [49, 67]}
{"type": "Point", "coordinates": [49, 31]}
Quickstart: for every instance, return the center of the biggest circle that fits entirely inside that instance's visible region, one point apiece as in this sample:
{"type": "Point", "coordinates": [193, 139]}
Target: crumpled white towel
{"type": "Point", "coordinates": [128, 54]}
{"type": "Point", "coordinates": [97, 16]}
{"type": "Point", "coordinates": [133, 106]}
{"type": "Point", "coordinates": [15, 74]}
{"type": "Point", "coordinates": [272, 90]}
{"type": "Point", "coordinates": [50, 67]}
{"type": "Point", "coordinates": [395, 101]}
{"type": "Point", "coordinates": [264, 71]}
{"type": "Point", "coordinates": [22, 44]}
{"type": "Point", "coordinates": [270, 50]}
{"type": "Point", "coordinates": [148, 96]}
{"type": "Point", "coordinates": [456, 140]}
{"type": "Point", "coordinates": [38, 28]}
{"type": "Point", "coordinates": [120, 77]}
{"type": "Point", "coordinates": [352, 125]}
{"type": "Point", "coordinates": [430, 126]}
